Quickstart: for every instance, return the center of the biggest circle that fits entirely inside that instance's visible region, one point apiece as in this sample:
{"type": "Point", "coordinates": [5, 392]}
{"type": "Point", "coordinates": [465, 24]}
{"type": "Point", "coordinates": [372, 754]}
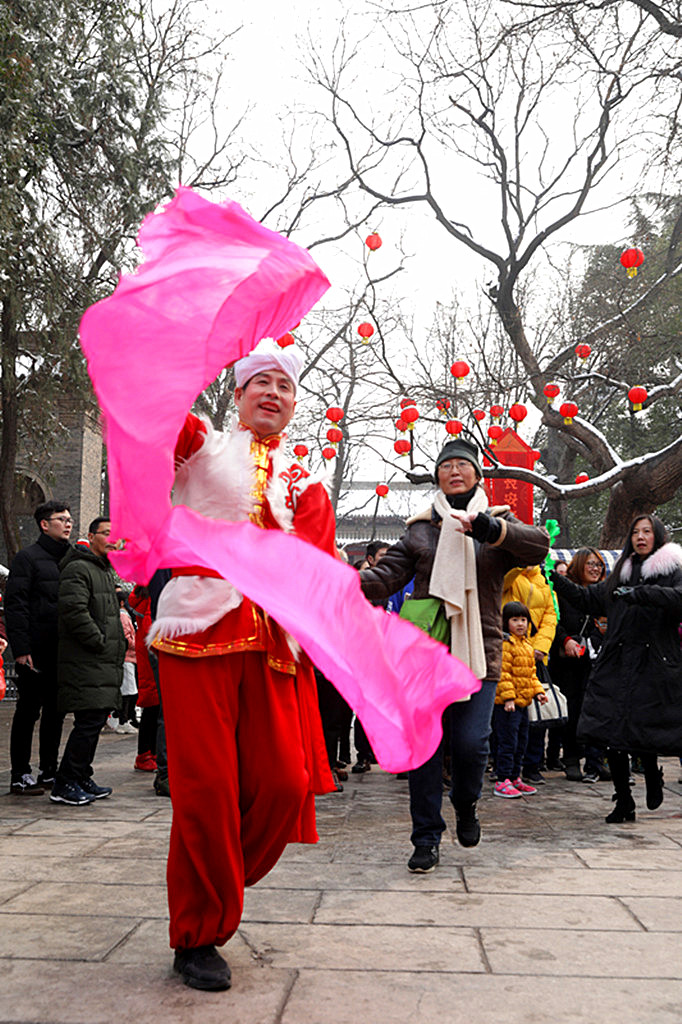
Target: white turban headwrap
{"type": "Point", "coordinates": [268, 355]}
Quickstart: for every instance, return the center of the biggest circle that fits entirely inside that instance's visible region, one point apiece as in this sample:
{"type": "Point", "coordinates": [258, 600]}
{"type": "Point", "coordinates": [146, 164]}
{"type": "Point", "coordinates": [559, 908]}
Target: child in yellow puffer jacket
{"type": "Point", "coordinates": [517, 686]}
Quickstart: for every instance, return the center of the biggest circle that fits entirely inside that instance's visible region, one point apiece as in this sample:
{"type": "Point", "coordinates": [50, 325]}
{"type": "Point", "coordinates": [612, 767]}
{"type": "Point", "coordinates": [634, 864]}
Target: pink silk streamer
{"type": "Point", "coordinates": [213, 283]}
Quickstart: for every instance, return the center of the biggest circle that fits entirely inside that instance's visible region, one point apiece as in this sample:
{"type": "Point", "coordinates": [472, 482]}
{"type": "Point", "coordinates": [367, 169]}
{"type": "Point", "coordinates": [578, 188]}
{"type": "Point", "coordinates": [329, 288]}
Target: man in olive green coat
{"type": "Point", "coordinates": [90, 662]}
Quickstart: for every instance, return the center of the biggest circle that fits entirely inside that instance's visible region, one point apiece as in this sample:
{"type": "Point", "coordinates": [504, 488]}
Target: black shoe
{"type": "Point", "coordinates": [202, 967]}
{"type": "Point", "coordinates": [423, 860]}
{"type": "Point", "coordinates": [360, 767]}
{"type": "Point", "coordinates": [26, 786]}
{"type": "Point", "coordinates": [468, 827]}
{"type": "Point", "coordinates": [533, 778]}
{"type": "Point", "coordinates": [340, 765]}
{"type": "Point", "coordinates": [46, 780]}
{"type": "Point", "coordinates": [557, 765]}
{"type": "Point", "coordinates": [591, 775]}
{"type": "Point", "coordinates": [70, 793]}
{"type": "Point", "coordinates": [161, 785]}
{"type": "Point", "coordinates": [573, 773]}
{"type": "Point", "coordinates": [99, 792]}
{"type": "Point", "coordinates": [654, 789]}
{"type": "Point", "coordinates": [623, 811]}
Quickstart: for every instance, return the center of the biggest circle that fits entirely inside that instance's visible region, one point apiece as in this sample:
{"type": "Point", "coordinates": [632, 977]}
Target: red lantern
{"type": "Point", "coordinates": [404, 402]}
{"type": "Point", "coordinates": [550, 391]}
{"type": "Point", "coordinates": [459, 369]}
{"type": "Point", "coordinates": [286, 339]}
{"type": "Point", "coordinates": [478, 414]}
{"type": "Point", "coordinates": [638, 397]}
{"type": "Point", "coordinates": [334, 414]}
{"type": "Point", "coordinates": [443, 404]}
{"type": "Point", "coordinates": [402, 447]}
{"type": "Point", "coordinates": [582, 478]}
{"type": "Point", "coordinates": [410, 415]}
{"type": "Point", "coordinates": [518, 412]}
{"type": "Point", "coordinates": [381, 490]}
{"type": "Point", "coordinates": [495, 433]}
{"type": "Point", "coordinates": [631, 259]}
{"type": "Point", "coordinates": [373, 241]}
{"type": "Point", "coordinates": [401, 425]}
{"type": "Point", "coordinates": [568, 410]}
{"type": "Point", "coordinates": [454, 427]}
{"type": "Point", "coordinates": [536, 455]}
{"type": "Point", "coordinates": [328, 453]}
{"type": "Point", "coordinates": [334, 435]}
{"type": "Point", "coordinates": [583, 352]}
{"type": "Point", "coordinates": [365, 331]}
{"type": "Point", "coordinates": [300, 451]}
{"type": "Point", "coordinates": [496, 411]}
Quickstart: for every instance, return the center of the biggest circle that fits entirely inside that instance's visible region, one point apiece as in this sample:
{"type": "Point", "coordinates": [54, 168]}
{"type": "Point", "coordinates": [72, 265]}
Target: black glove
{"type": "Point", "coordinates": [626, 594]}
{"type": "Point", "coordinates": [486, 529]}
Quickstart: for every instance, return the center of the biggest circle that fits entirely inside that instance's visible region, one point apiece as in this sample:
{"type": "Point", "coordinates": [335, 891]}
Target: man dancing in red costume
{"type": "Point", "coordinates": [246, 752]}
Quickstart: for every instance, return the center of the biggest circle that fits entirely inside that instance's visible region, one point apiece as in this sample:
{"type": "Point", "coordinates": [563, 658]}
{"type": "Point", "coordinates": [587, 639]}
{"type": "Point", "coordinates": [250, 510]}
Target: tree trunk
{"type": "Point", "coordinates": [641, 491]}
{"type": "Point", "coordinates": [8, 449]}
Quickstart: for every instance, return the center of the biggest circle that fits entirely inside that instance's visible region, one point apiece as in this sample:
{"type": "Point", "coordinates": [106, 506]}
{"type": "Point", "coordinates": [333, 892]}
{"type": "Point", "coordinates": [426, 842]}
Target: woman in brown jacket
{"type": "Point", "coordinates": [458, 551]}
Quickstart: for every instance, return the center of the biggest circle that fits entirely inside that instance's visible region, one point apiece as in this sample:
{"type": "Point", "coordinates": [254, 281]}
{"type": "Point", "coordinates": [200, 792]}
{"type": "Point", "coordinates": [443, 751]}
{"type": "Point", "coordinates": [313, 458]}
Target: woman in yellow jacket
{"type": "Point", "coordinates": [517, 686]}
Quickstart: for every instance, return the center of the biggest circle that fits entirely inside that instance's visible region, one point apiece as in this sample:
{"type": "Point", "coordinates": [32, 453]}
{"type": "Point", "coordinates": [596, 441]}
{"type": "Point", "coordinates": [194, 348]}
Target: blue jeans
{"type": "Point", "coordinates": [511, 732]}
{"type": "Point", "coordinates": [469, 747]}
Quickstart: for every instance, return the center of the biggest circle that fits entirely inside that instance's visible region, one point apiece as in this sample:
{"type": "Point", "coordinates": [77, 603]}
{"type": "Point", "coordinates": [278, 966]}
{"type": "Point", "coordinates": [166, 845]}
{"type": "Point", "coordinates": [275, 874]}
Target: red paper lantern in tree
{"type": "Point", "coordinates": [381, 490]}
{"type": "Point", "coordinates": [454, 426]}
{"type": "Point", "coordinates": [334, 435]}
{"type": "Point", "coordinates": [495, 433]}
{"type": "Point", "coordinates": [638, 397]}
{"type": "Point", "coordinates": [518, 412]}
{"type": "Point", "coordinates": [582, 478]}
{"type": "Point", "coordinates": [568, 410]}
{"type": "Point", "coordinates": [550, 391]}
{"type": "Point", "coordinates": [328, 453]}
{"type": "Point", "coordinates": [536, 454]}
{"type": "Point", "coordinates": [365, 331]}
{"type": "Point", "coordinates": [583, 352]}
{"type": "Point", "coordinates": [402, 447]}
{"type": "Point", "coordinates": [478, 414]}
{"type": "Point", "coordinates": [373, 241]}
{"type": "Point", "coordinates": [443, 404]}
{"type": "Point", "coordinates": [496, 411]}
{"type": "Point", "coordinates": [404, 402]}
{"type": "Point", "coordinates": [334, 414]}
{"type": "Point", "coordinates": [300, 451]}
{"type": "Point", "coordinates": [631, 259]}
{"type": "Point", "coordinates": [286, 339]}
{"type": "Point", "coordinates": [459, 369]}
{"type": "Point", "coordinates": [401, 425]}
{"type": "Point", "coordinates": [410, 415]}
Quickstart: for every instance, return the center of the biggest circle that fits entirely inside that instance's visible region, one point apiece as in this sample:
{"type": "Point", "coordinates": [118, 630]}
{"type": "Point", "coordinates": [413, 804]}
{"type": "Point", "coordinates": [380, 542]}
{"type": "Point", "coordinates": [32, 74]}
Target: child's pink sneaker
{"type": "Point", "coordinates": [522, 787]}
{"type": "Point", "coordinates": [505, 789]}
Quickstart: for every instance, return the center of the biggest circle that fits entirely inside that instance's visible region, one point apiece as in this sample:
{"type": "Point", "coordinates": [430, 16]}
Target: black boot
{"type": "Point", "coordinates": [653, 778]}
{"type": "Point", "coordinates": [202, 967]}
{"type": "Point", "coordinates": [468, 825]}
{"type": "Point", "coordinates": [623, 811]}
{"type": "Point", "coordinates": [572, 769]}
{"type": "Point", "coordinates": [625, 806]}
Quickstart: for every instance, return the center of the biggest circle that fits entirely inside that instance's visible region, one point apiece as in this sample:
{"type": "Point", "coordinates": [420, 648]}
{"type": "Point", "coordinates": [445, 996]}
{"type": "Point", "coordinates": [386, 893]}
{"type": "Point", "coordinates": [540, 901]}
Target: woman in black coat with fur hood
{"type": "Point", "coordinates": [633, 701]}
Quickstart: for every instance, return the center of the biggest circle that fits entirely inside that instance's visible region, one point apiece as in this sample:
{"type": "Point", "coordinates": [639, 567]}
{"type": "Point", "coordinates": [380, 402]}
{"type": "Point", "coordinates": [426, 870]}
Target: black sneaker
{"type": "Point", "coordinates": [468, 827]}
{"type": "Point", "coordinates": [26, 786]}
{"type": "Point", "coordinates": [423, 860]}
{"type": "Point", "coordinates": [46, 779]}
{"type": "Point", "coordinates": [592, 775]}
{"type": "Point", "coordinates": [161, 785]}
{"type": "Point", "coordinates": [70, 793]}
{"type": "Point", "coordinates": [557, 765]}
{"type": "Point", "coordinates": [202, 967]}
{"type": "Point", "coordinates": [533, 778]}
{"type": "Point", "coordinates": [99, 792]}
{"type": "Point", "coordinates": [360, 767]}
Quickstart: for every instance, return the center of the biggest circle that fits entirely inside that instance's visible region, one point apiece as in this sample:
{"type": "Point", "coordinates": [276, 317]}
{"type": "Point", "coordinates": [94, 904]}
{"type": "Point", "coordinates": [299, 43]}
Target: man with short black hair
{"type": "Point", "coordinates": [31, 621]}
{"type": "Point", "coordinates": [91, 651]}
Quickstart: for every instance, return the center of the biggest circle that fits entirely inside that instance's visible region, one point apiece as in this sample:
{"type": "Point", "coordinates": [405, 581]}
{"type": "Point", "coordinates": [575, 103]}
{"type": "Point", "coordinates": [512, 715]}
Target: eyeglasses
{"type": "Point", "coordinates": [67, 520]}
{"type": "Point", "coordinates": [593, 565]}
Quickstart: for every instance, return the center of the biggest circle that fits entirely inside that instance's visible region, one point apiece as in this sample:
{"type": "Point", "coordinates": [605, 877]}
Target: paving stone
{"type": "Point", "coordinates": [9, 889]}
{"type": "Point", "coordinates": [102, 827]}
{"type": "Point", "coordinates": [630, 856]}
{"type": "Point", "coordinates": [91, 898]}
{"type": "Point", "coordinates": [656, 914]}
{"type": "Point", "coordinates": [46, 936]}
{"type": "Point", "coordinates": [349, 948]}
{"type": "Point", "coordinates": [345, 876]}
{"type": "Point", "coordinates": [140, 845]}
{"type": "Point", "coordinates": [29, 847]}
{"type": "Point", "coordinates": [583, 881]}
{"type": "Point", "coordinates": [346, 997]}
{"type": "Point", "coordinates": [148, 944]}
{"type": "Point", "coordinates": [277, 905]}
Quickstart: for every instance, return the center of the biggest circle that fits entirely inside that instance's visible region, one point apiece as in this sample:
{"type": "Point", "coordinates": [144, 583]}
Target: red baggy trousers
{"type": "Point", "coordinates": [238, 782]}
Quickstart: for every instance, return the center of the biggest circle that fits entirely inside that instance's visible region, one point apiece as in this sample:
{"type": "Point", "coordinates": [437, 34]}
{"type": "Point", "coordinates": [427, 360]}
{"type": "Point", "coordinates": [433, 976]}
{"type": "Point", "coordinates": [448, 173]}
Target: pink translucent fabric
{"type": "Point", "coordinates": [213, 283]}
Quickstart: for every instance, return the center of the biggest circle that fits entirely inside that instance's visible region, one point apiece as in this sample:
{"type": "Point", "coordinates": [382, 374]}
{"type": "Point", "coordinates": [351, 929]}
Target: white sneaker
{"type": "Point", "coordinates": [126, 729]}
{"type": "Point", "coordinates": [112, 723]}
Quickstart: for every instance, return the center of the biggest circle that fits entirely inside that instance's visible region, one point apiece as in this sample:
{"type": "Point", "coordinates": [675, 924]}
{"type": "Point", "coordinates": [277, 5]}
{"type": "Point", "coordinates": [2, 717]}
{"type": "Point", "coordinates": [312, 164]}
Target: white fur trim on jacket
{"type": "Point", "coordinates": [659, 563]}
{"type": "Point", "coordinates": [218, 481]}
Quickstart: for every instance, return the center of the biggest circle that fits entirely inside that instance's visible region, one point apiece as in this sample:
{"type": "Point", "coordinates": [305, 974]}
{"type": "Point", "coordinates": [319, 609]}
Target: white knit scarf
{"type": "Point", "coordinates": [453, 580]}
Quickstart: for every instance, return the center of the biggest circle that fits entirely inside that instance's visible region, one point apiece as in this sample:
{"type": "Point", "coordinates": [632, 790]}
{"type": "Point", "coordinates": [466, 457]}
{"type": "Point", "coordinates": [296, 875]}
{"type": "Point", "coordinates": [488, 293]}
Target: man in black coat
{"type": "Point", "coordinates": [31, 621]}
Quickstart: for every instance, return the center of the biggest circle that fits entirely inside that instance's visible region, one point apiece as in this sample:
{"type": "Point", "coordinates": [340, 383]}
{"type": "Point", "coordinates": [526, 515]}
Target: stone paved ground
{"type": "Point", "coordinates": [554, 919]}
